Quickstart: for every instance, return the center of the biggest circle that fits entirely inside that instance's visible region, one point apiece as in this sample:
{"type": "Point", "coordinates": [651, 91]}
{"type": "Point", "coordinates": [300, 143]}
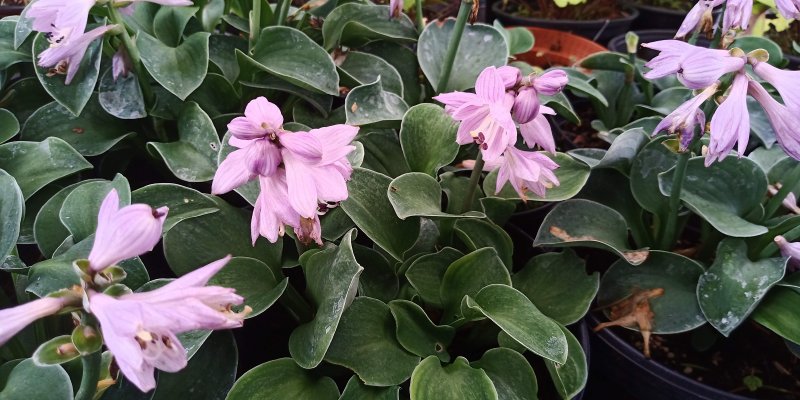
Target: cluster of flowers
{"type": "Point", "coordinates": [701, 68]}
{"type": "Point", "coordinates": [504, 98]}
{"type": "Point", "coordinates": [64, 25]}
{"type": "Point", "coordinates": [737, 15]}
{"type": "Point", "coordinates": [139, 329]}
{"type": "Point", "coordinates": [300, 174]}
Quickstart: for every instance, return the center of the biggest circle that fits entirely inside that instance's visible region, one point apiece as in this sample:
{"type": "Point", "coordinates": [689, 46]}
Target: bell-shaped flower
{"type": "Point", "coordinates": [785, 81]}
{"type": "Point", "coordinates": [538, 132]}
{"type": "Point", "coordinates": [527, 171]}
{"type": "Point", "coordinates": [126, 232]}
{"type": "Point", "coordinates": [790, 9]}
{"type": "Point", "coordinates": [731, 122]}
{"type": "Point", "coordinates": [696, 67]}
{"type": "Point", "coordinates": [526, 105]}
{"type": "Point", "coordinates": [395, 8]}
{"type": "Point", "coordinates": [272, 211]}
{"type": "Point", "coordinates": [701, 12]}
{"type": "Point", "coordinates": [789, 250]}
{"type": "Point", "coordinates": [69, 53]}
{"type": "Point", "coordinates": [784, 122]}
{"type": "Point", "coordinates": [737, 14]}
{"type": "Point", "coordinates": [551, 82]}
{"type": "Point", "coordinates": [17, 318]}
{"type": "Point", "coordinates": [485, 116]}
{"type": "Point", "coordinates": [261, 119]}
{"type": "Point", "coordinates": [686, 117]}
{"type": "Point", "coordinates": [60, 20]}
{"type": "Point", "coordinates": [140, 329]}
{"type": "Point", "coordinates": [511, 76]}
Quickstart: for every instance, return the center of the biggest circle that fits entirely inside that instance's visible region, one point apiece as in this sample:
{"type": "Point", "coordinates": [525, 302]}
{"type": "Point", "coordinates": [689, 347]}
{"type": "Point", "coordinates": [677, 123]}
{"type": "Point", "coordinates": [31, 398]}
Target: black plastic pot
{"type": "Point", "coordinates": [794, 61]}
{"type": "Point", "coordinates": [652, 17]}
{"type": "Point", "coordinates": [599, 30]}
{"type": "Point", "coordinates": [645, 36]}
{"type": "Point", "coordinates": [581, 332]}
{"type": "Point", "coordinates": [10, 10]}
{"type": "Point", "coordinates": [623, 367]}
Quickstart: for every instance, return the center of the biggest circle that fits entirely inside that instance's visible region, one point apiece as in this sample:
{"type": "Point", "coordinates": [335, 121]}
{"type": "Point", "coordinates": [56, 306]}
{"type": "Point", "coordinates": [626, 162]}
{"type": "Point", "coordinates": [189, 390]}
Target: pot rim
{"type": "Point", "coordinates": [633, 13]}
{"type": "Point", "coordinates": [663, 10]}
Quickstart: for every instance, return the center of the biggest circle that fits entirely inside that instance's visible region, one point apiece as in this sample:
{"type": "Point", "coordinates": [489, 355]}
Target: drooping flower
{"type": "Point", "coordinates": [125, 232]}
{"type": "Point", "coordinates": [699, 14]}
{"type": "Point", "coordinates": [785, 81]}
{"type": "Point", "coordinates": [17, 318]}
{"type": "Point", "coordinates": [60, 20]}
{"type": "Point", "coordinates": [696, 67]}
{"type": "Point", "coordinates": [789, 202]}
{"type": "Point", "coordinates": [551, 82]}
{"type": "Point", "coordinates": [526, 105]}
{"type": "Point", "coordinates": [67, 54]}
{"type": "Point", "coordinates": [140, 329]}
{"type": "Point", "coordinates": [120, 63]}
{"type": "Point", "coordinates": [686, 117]}
{"type": "Point", "coordinates": [790, 9]}
{"type": "Point", "coordinates": [538, 132]}
{"type": "Point", "coordinates": [737, 14]}
{"type": "Point", "coordinates": [485, 115]}
{"type": "Point", "coordinates": [272, 211]}
{"type": "Point", "coordinates": [511, 76]}
{"type": "Point", "coordinates": [784, 122]}
{"type": "Point", "coordinates": [731, 122]}
{"type": "Point", "coordinates": [527, 171]}
{"type": "Point", "coordinates": [395, 8]}
{"type": "Point", "coordinates": [790, 250]}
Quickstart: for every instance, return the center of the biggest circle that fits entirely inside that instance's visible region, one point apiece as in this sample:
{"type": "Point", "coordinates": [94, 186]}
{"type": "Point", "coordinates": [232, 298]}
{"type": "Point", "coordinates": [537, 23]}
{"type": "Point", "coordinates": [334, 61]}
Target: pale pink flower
{"type": "Point", "coordinates": [731, 122]}
{"type": "Point", "coordinates": [789, 250]}
{"type": "Point", "coordinates": [551, 82]}
{"type": "Point", "coordinates": [538, 132]}
{"type": "Point", "coordinates": [126, 232]}
{"type": "Point", "coordinates": [790, 9]}
{"type": "Point", "coordinates": [526, 105]}
{"type": "Point", "coordinates": [395, 8]}
{"type": "Point", "coordinates": [485, 115]}
{"type": "Point", "coordinates": [789, 202]}
{"type": "Point", "coordinates": [700, 11]}
{"type": "Point", "coordinates": [686, 117]}
{"type": "Point", "coordinates": [120, 63]}
{"type": "Point", "coordinates": [511, 76]}
{"type": "Point", "coordinates": [737, 14]}
{"type": "Point", "coordinates": [785, 81]}
{"type": "Point", "coordinates": [70, 52]}
{"type": "Point", "coordinates": [162, 2]}
{"type": "Point", "coordinates": [784, 122]}
{"type": "Point", "coordinates": [272, 211]}
{"type": "Point", "coordinates": [487, 165]}
{"type": "Point", "coordinates": [695, 67]}
{"type": "Point", "coordinates": [140, 329]}
{"type": "Point", "coordinates": [527, 171]}
{"type": "Point", "coordinates": [17, 318]}
{"type": "Point", "coordinates": [61, 20]}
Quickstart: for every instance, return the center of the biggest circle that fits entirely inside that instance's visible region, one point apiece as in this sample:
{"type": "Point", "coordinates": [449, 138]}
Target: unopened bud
{"type": "Point", "coordinates": [632, 42]}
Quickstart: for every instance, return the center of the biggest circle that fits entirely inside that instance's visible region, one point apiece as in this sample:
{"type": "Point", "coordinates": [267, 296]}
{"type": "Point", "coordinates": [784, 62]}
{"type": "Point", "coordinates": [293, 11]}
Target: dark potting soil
{"type": "Point", "coordinates": [752, 357]}
{"type": "Point", "coordinates": [592, 10]}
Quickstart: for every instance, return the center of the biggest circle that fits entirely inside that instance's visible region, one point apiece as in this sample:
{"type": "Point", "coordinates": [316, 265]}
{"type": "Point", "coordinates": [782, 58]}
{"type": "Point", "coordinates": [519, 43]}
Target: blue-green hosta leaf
{"type": "Point", "coordinates": [467, 276]}
{"type": "Point", "coordinates": [780, 313]}
{"type": "Point", "coordinates": [480, 233]}
{"type": "Point", "coordinates": [405, 61]}
{"type": "Point", "coordinates": [12, 207]}
{"type": "Point", "coordinates": [370, 103]}
{"type": "Point", "coordinates": [572, 174]}
{"type": "Point", "coordinates": [481, 46]}
{"type": "Point", "coordinates": [10, 51]}
{"type": "Point", "coordinates": [456, 381]}
{"type": "Point", "coordinates": [35, 164]}
{"type": "Point", "coordinates": [417, 333]}
{"type": "Point", "coordinates": [651, 161]}
{"type": "Point", "coordinates": [121, 97]}
{"type": "Point", "coordinates": [252, 280]}
{"type": "Point", "coordinates": [571, 376]}
{"type": "Point", "coordinates": [368, 328]}
{"type": "Point", "coordinates": [183, 202]}
{"type": "Point", "coordinates": [91, 133]}
{"type": "Point", "coordinates": [733, 287]}
{"type": "Point", "coordinates": [360, 68]}
{"type": "Point", "coordinates": [193, 158]}
{"type": "Point", "coordinates": [9, 126]}
{"type": "Point", "coordinates": [355, 24]}
{"type": "Point", "coordinates": [219, 354]}
{"type": "Point", "coordinates": [426, 273]}
{"type": "Point", "coordinates": [169, 23]}
{"type": "Point", "coordinates": [283, 379]}
{"type": "Point", "coordinates": [30, 381]}
{"type": "Point", "coordinates": [332, 279]}
{"type": "Point", "coordinates": [419, 195]}
{"type": "Point", "coordinates": [357, 390]}
{"type": "Point", "coordinates": [80, 208]}
{"type": "Point", "coordinates": [510, 372]}
{"type": "Point", "coordinates": [179, 69]}
{"type": "Point", "coordinates": [428, 138]}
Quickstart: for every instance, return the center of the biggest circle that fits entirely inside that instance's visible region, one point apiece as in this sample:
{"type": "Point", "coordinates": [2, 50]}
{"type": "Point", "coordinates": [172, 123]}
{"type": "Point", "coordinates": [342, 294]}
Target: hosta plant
{"type": "Point", "coordinates": [174, 169]}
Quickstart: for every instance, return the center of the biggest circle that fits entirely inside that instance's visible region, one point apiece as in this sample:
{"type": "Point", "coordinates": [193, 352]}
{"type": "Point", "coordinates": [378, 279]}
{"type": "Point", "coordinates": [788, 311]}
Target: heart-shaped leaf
{"type": "Point", "coordinates": [427, 136]}
{"type": "Point", "coordinates": [193, 158]}
{"type": "Point", "coordinates": [467, 276]}
{"type": "Point", "coordinates": [75, 95]}
{"type": "Point", "coordinates": [359, 68]}
{"type": "Point", "coordinates": [180, 69]}
{"type": "Point", "coordinates": [121, 97]}
{"type": "Point", "coordinates": [30, 381]}
{"type": "Point", "coordinates": [12, 207]}
{"type": "Point", "coordinates": [383, 153]}
{"type": "Point", "coordinates": [405, 61]}
{"type": "Point", "coordinates": [35, 164]}
{"type": "Point", "coordinates": [572, 174]}
{"type": "Point", "coordinates": [570, 377]}
{"type": "Point", "coordinates": [355, 24]}
{"type": "Point", "coordinates": [48, 231]}
{"type": "Point", "coordinates": [356, 390]}
{"type": "Point", "coordinates": [651, 161]}
{"type": "Point", "coordinates": [80, 208]}
{"type": "Point", "coordinates": [417, 333]}
{"type": "Point", "coordinates": [419, 195]}
{"type": "Point", "coordinates": [510, 372]}
{"type": "Point", "coordinates": [369, 103]}
{"type": "Point", "coordinates": [182, 201]}
{"type": "Point", "coordinates": [623, 150]}
{"type": "Point", "coordinates": [10, 51]}
{"type": "Point", "coordinates": [283, 379]}
{"type": "Point", "coordinates": [457, 381]}
{"type": "Point", "coordinates": [426, 273]}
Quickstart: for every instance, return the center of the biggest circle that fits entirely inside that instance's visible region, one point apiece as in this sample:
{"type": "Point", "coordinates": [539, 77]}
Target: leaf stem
{"type": "Point", "coordinates": [791, 181]}
{"type": "Point", "coordinates": [668, 234]}
{"type": "Point", "coordinates": [133, 53]}
{"type": "Point", "coordinates": [283, 12]}
{"type": "Point", "coordinates": [419, 17]}
{"type": "Point", "coordinates": [91, 374]}
{"type": "Point", "coordinates": [455, 41]}
{"type": "Point", "coordinates": [255, 22]}
{"type": "Point", "coordinates": [477, 170]}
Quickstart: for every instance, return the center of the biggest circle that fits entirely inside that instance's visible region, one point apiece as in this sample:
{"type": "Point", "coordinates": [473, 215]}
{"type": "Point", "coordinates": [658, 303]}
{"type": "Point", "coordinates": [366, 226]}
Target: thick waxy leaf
{"type": "Point", "coordinates": [359, 68]}
{"type": "Point", "coordinates": [182, 201]}
{"type": "Point", "coordinates": [379, 279]}
{"type": "Point", "coordinates": [723, 193]}
{"type": "Point", "coordinates": [218, 354]}
{"type": "Point", "coordinates": [477, 234]}
{"type": "Point", "coordinates": [52, 275]}
{"type": "Point", "coordinates": [121, 97]}
{"type": "Point", "coordinates": [195, 242]}
{"type": "Point", "coordinates": [571, 173]}
{"type": "Point", "coordinates": [216, 96]}
{"type": "Point", "coordinates": [30, 381]}
{"type": "Point", "coordinates": [10, 53]}
{"type": "Point", "coordinates": [252, 280]}
{"type": "Point", "coordinates": [80, 208]}
{"type": "Point", "coordinates": [457, 381]}
{"type": "Point", "coordinates": [623, 150]}
{"type": "Point", "coordinates": [570, 377]}
{"type": "Point", "coordinates": [25, 96]}
{"type": "Point", "coordinates": [417, 333]}
{"type": "Point", "coordinates": [331, 279]}
{"type": "Point", "coordinates": [428, 137]}
{"type": "Point", "coordinates": [180, 69]}
{"type": "Point", "coordinates": [355, 390]}
{"type": "Point", "coordinates": [481, 46]}
{"type": "Point", "coordinates": [35, 164]}
{"type": "Point", "coordinates": [419, 195]}
{"type": "Point", "coordinates": [520, 319]}
{"type": "Point", "coordinates": [558, 285]}
{"type": "Point", "coordinates": [49, 353]}
{"type": "Point", "coordinates": [193, 158]}
{"type": "Point", "coordinates": [519, 39]}
{"type": "Point", "coordinates": [291, 55]}
{"type": "Point", "coordinates": [282, 379]}
{"type": "Point", "coordinates": [677, 309]}
{"type": "Point", "coordinates": [354, 25]}
{"type": "Point", "coordinates": [91, 133]}
{"type": "Point", "coordinates": [621, 200]}
{"type": "Point", "coordinates": [366, 329]}
{"type": "Point", "coordinates": [75, 95]}
{"type": "Point", "coordinates": [780, 312]}
{"type": "Point", "coordinates": [12, 208]}
{"type": "Point", "coordinates": [581, 83]}
{"type": "Point", "coordinates": [9, 126]}
{"type": "Point", "coordinates": [457, 189]}
{"type": "Point", "coordinates": [48, 231]}
{"type": "Point", "coordinates": [383, 152]}
{"type": "Point", "coordinates": [370, 103]}
{"type": "Point", "coordinates": [426, 273]}
{"type": "Point", "coordinates": [368, 206]}
{"type": "Point", "coordinates": [510, 372]}
{"type": "Point", "coordinates": [222, 52]}
{"type": "Point", "coordinates": [405, 61]}
{"type": "Point", "coordinates": [580, 222]}
{"type": "Point", "coordinates": [263, 80]}
{"type": "Point", "coordinates": [652, 160]}
{"type": "Point", "coordinates": [732, 288]}
{"type": "Point", "coordinates": [169, 22]}
{"type": "Point", "coordinates": [467, 276]}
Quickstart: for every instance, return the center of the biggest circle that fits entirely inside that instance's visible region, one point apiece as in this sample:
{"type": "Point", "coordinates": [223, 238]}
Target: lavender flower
{"type": "Point", "coordinates": [17, 318]}
{"type": "Point", "coordinates": [59, 19]}
{"type": "Point", "coordinates": [790, 250]}
{"type": "Point", "coordinates": [395, 8]}
{"type": "Point", "coordinates": [66, 54]}
{"type": "Point", "coordinates": [790, 9]}
{"type": "Point", "coordinates": [696, 67]}
{"type": "Point", "coordinates": [737, 14]}
{"type": "Point", "coordinates": [140, 329]}
{"type": "Point", "coordinates": [538, 132]}
{"type": "Point", "coordinates": [699, 14]}
{"type": "Point", "coordinates": [786, 82]}
{"type": "Point", "coordinates": [731, 122]}
{"type": "Point", "coordinates": [527, 171]}
{"type": "Point", "coordinates": [686, 117]}
{"type": "Point", "coordinates": [125, 232]}
{"type": "Point", "coordinates": [784, 122]}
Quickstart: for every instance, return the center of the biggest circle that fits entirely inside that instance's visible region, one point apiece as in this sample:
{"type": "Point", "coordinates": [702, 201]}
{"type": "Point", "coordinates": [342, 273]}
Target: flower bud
{"type": "Point", "coordinates": [526, 105]}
